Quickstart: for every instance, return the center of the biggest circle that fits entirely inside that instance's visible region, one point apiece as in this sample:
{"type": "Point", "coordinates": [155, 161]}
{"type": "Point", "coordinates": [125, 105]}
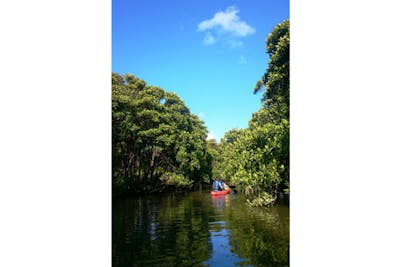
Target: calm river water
{"type": "Point", "coordinates": [195, 229]}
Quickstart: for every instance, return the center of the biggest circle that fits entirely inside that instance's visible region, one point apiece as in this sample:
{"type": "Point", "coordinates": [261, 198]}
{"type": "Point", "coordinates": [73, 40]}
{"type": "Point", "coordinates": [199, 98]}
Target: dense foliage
{"type": "Point", "coordinates": [156, 141]}
{"type": "Point", "coordinates": [256, 159]}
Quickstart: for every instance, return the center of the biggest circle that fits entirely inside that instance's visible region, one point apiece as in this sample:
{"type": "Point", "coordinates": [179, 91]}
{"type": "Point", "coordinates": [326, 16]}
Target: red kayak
{"type": "Point", "coordinates": [219, 193]}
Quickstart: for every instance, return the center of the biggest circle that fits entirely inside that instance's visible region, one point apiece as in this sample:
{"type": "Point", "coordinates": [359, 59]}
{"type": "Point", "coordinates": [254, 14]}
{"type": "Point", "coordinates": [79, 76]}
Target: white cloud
{"type": "Point", "coordinates": [243, 60]}
{"type": "Point", "coordinates": [227, 21]}
{"type": "Point", "coordinates": [209, 39]}
{"type": "Point", "coordinates": [201, 115]}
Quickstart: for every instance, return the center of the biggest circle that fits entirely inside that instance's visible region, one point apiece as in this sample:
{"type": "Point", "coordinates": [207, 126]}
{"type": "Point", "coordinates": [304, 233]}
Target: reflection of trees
{"type": "Point", "coordinates": [260, 235]}
{"type": "Point", "coordinates": [175, 230]}
{"type": "Point", "coordinates": [167, 231]}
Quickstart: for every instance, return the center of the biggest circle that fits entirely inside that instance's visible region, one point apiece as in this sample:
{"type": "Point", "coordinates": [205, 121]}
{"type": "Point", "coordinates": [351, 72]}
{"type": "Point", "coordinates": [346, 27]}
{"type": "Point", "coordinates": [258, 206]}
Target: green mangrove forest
{"type": "Point", "coordinates": [159, 145]}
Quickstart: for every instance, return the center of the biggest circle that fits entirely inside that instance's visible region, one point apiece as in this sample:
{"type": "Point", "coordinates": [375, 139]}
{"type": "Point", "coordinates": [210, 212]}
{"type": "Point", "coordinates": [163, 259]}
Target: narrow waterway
{"type": "Point", "coordinates": [195, 229]}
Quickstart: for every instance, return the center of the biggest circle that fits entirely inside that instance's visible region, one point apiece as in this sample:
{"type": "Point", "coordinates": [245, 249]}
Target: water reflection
{"type": "Point", "coordinates": [220, 202]}
{"type": "Point", "coordinates": [198, 230]}
{"type": "Point", "coordinates": [221, 250]}
{"type": "Point", "coordinates": [160, 231]}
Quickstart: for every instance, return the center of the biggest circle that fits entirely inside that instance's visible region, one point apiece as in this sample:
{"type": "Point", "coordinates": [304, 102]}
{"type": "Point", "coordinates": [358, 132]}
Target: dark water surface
{"type": "Point", "coordinates": [195, 229]}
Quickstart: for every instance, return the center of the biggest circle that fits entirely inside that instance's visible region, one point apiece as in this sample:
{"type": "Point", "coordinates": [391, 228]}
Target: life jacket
{"type": "Point", "coordinates": [215, 185]}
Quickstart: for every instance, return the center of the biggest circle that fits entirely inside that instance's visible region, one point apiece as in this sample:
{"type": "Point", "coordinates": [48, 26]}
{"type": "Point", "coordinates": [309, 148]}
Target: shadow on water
{"type": "Point", "coordinates": [196, 229]}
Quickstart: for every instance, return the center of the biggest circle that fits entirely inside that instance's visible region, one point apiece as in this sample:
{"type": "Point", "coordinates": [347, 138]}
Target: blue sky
{"type": "Point", "coordinates": [210, 53]}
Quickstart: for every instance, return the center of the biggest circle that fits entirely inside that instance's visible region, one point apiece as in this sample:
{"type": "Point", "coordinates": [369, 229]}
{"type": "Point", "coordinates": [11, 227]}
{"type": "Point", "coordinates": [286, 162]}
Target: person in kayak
{"type": "Point", "coordinates": [215, 185]}
{"type": "Point", "coordinates": [218, 185]}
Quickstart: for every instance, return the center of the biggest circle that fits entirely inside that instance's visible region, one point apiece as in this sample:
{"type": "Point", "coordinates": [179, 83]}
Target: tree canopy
{"type": "Point", "coordinates": [256, 159]}
{"type": "Point", "coordinates": [156, 141]}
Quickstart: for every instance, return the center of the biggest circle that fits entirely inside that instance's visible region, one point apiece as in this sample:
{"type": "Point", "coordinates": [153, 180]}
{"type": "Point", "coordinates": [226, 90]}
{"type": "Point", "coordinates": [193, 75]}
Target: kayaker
{"type": "Point", "coordinates": [217, 185]}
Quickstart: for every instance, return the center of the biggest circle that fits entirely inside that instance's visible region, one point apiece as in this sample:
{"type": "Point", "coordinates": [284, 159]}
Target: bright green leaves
{"type": "Point", "coordinates": [276, 78]}
{"type": "Point", "coordinates": [156, 140]}
{"type": "Point", "coordinates": [256, 159]}
{"type": "Point", "coordinates": [175, 179]}
{"type": "Point", "coordinates": [282, 30]}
